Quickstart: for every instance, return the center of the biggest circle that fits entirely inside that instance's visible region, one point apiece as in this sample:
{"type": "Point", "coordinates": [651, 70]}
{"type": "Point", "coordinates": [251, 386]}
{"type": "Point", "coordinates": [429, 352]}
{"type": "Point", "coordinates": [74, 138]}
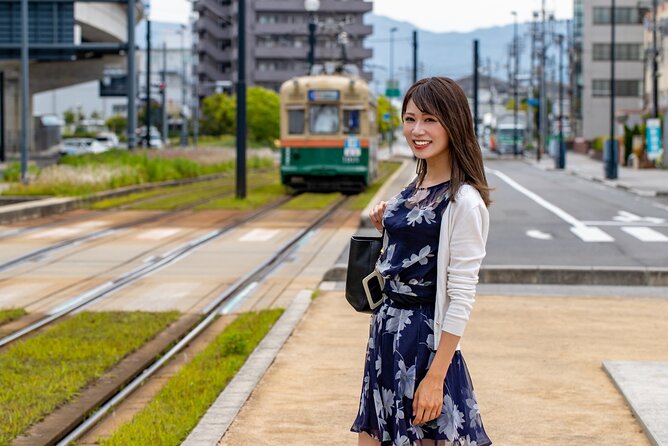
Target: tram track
{"type": "Point", "coordinates": [79, 423]}
{"type": "Point", "coordinates": [41, 253]}
{"type": "Point", "coordinates": [155, 263]}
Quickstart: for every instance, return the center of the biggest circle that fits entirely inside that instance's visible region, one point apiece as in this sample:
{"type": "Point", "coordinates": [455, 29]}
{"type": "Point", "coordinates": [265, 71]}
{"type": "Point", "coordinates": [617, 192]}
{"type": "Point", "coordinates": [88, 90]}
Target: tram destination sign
{"type": "Point", "coordinates": [324, 95]}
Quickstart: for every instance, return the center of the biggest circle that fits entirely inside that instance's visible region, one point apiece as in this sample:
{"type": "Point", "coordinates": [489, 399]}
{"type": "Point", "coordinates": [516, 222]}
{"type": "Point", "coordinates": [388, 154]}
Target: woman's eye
{"type": "Point", "coordinates": [407, 119]}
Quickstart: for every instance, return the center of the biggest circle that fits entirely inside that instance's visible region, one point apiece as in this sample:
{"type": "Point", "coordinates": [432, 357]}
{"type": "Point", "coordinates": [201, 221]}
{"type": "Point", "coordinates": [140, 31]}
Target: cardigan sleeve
{"type": "Point", "coordinates": [470, 226]}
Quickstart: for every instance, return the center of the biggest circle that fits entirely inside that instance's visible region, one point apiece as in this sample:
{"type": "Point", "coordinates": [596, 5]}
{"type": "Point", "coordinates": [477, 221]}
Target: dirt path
{"type": "Point", "coordinates": [535, 362]}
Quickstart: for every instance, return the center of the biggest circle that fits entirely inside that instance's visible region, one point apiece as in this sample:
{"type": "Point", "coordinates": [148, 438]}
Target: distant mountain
{"type": "Point", "coordinates": [446, 54]}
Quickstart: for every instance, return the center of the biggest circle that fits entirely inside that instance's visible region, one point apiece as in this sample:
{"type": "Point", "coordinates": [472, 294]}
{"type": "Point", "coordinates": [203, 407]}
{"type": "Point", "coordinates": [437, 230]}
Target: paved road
{"type": "Point", "coordinates": [552, 218]}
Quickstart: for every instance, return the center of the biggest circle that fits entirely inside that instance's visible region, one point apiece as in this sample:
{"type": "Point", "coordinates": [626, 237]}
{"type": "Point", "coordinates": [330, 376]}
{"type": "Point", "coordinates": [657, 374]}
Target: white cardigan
{"type": "Point", "coordinates": [461, 248]}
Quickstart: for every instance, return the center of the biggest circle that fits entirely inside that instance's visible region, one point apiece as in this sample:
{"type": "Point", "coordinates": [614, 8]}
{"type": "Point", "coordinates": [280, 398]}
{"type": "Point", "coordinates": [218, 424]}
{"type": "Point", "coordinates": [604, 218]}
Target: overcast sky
{"type": "Point", "coordinates": [431, 15]}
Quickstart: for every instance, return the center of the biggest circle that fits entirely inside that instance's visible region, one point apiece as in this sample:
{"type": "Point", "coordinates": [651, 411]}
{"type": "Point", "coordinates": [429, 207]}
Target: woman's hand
{"type": "Point", "coordinates": [428, 399]}
{"type": "Point", "coordinates": [376, 215]}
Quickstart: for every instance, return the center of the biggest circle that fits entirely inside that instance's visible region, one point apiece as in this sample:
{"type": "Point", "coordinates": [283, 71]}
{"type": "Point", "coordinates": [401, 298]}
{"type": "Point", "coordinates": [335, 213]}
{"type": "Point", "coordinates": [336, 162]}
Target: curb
{"type": "Point", "coordinates": [218, 418]}
{"type": "Point", "coordinates": [552, 275]}
{"type": "Point", "coordinates": [54, 205]}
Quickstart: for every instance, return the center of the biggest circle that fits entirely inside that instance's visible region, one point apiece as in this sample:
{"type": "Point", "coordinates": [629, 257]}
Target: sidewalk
{"type": "Point", "coordinates": [644, 182]}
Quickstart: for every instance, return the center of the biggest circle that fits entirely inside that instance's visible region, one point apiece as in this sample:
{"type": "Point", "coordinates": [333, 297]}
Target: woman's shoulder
{"type": "Point", "coordinates": [468, 196]}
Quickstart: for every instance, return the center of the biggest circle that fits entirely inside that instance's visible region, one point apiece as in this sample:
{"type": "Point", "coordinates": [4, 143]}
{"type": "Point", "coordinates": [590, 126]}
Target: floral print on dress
{"type": "Point", "coordinates": [401, 347]}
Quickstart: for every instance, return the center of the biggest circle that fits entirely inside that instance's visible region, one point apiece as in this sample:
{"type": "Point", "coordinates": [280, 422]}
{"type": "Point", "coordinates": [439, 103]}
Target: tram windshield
{"type": "Point", "coordinates": [324, 119]}
{"type": "Point", "coordinates": [351, 121]}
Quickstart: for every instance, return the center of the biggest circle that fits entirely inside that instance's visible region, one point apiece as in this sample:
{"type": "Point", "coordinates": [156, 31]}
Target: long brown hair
{"type": "Point", "coordinates": [442, 98]}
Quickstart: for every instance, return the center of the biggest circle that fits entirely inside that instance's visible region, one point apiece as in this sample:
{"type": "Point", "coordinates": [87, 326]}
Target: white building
{"type": "Point", "coordinates": [595, 56]}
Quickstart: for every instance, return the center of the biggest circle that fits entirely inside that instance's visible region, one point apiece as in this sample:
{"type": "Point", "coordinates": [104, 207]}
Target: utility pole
{"type": "Point", "coordinates": [611, 148]}
{"type": "Point", "coordinates": [543, 93]}
{"type": "Point", "coordinates": [184, 119]}
{"type": "Point", "coordinates": [132, 76]}
{"type": "Point", "coordinates": [195, 81]}
{"type": "Point", "coordinates": [415, 57]}
{"type": "Point", "coordinates": [515, 92]}
{"type": "Point", "coordinates": [2, 117]}
{"type": "Point", "coordinates": [561, 158]}
{"type": "Point", "coordinates": [25, 80]}
{"type": "Point", "coordinates": [163, 93]}
{"type": "Point", "coordinates": [147, 116]}
{"type": "Point", "coordinates": [655, 63]}
{"type": "Point", "coordinates": [476, 61]}
{"type": "Point", "coordinates": [241, 103]}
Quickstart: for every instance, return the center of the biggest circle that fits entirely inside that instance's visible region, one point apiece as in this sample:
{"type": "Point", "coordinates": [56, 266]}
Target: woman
{"type": "Point", "coordinates": [416, 388]}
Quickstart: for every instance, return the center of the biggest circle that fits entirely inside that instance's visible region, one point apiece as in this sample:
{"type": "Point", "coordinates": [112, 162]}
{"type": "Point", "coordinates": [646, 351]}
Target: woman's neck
{"type": "Point", "coordinates": [438, 170]}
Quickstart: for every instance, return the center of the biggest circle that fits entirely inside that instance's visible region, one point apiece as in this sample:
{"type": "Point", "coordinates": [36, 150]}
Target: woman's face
{"type": "Point", "coordinates": [425, 135]}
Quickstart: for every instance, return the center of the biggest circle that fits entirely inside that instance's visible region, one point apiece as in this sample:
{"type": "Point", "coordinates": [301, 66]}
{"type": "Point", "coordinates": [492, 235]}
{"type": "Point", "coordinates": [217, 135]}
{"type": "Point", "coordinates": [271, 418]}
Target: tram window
{"type": "Point", "coordinates": [296, 121]}
{"type": "Point", "coordinates": [351, 121]}
{"type": "Point", "coordinates": [324, 119]}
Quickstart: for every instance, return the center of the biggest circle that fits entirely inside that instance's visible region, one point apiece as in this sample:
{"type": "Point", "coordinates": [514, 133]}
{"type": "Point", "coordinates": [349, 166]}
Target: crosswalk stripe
{"type": "Point", "coordinates": [591, 234]}
{"type": "Point", "coordinates": [645, 234]}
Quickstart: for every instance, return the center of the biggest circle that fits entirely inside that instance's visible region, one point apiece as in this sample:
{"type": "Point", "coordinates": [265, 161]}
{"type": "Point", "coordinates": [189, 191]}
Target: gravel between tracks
{"type": "Point", "coordinates": [535, 361]}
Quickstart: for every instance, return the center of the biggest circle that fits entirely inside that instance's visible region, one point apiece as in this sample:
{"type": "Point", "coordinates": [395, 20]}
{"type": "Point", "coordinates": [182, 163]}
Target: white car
{"type": "Point", "coordinates": [109, 140]}
{"type": "Point", "coordinates": [81, 146]}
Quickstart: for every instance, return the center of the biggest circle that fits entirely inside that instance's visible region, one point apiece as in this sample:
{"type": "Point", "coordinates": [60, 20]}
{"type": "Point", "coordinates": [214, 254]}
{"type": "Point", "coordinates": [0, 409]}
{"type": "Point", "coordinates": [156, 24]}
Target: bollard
{"type": "Point", "coordinates": [610, 156]}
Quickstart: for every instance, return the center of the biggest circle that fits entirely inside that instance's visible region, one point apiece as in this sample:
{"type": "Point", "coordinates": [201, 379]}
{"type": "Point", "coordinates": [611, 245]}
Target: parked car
{"type": "Point", "coordinates": [154, 140]}
{"type": "Point", "coordinates": [81, 146]}
{"type": "Point", "coordinates": [107, 139]}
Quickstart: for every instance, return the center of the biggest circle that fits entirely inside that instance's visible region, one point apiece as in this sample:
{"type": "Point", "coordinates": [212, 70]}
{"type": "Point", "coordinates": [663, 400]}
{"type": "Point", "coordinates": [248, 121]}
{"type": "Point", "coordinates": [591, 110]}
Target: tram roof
{"type": "Point", "coordinates": [325, 81]}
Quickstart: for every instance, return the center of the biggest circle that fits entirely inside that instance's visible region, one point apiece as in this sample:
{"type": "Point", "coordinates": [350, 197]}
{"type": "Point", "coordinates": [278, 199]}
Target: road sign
{"type": "Point", "coordinates": [653, 135]}
{"type": "Point", "coordinates": [386, 117]}
{"type": "Point", "coordinates": [392, 89]}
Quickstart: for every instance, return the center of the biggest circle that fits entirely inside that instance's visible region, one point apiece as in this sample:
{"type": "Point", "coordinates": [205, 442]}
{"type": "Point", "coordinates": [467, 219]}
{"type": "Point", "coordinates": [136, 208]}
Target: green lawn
{"type": "Point", "coordinates": [175, 411]}
{"type": "Point", "coordinates": [45, 371]}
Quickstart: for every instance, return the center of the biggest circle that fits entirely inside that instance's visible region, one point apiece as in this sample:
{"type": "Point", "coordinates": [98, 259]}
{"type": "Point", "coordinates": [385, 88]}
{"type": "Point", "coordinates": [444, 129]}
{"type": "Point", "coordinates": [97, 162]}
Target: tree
{"type": "Point", "coordinates": [385, 106]}
{"type": "Point", "coordinates": [69, 116]}
{"type": "Point", "coordinates": [117, 123]}
{"type": "Point", "coordinates": [263, 115]}
{"type": "Point", "coordinates": [219, 114]}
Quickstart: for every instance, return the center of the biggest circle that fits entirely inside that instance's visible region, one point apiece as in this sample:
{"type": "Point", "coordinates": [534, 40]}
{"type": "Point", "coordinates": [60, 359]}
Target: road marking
{"type": "Point", "coordinates": [157, 233]}
{"type": "Point", "coordinates": [627, 217]}
{"type": "Point", "coordinates": [619, 223]}
{"type": "Point", "coordinates": [586, 233]}
{"type": "Point", "coordinates": [645, 234]}
{"type": "Point", "coordinates": [259, 235]}
{"type": "Point", "coordinates": [56, 233]}
{"type": "Point", "coordinates": [591, 234]}
{"type": "Point", "coordinates": [540, 235]}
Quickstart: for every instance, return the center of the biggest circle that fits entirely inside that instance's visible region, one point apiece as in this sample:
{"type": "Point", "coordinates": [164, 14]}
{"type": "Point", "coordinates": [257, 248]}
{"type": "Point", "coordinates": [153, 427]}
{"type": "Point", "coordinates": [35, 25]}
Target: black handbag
{"type": "Point", "coordinates": [364, 285]}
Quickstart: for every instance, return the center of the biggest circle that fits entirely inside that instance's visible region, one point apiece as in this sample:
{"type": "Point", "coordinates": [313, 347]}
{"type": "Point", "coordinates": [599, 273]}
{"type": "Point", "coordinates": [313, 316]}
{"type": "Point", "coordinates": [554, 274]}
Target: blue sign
{"type": "Point", "coordinates": [386, 117]}
{"type": "Point", "coordinates": [653, 137]}
{"type": "Point", "coordinates": [324, 95]}
{"type": "Point", "coordinates": [352, 150]}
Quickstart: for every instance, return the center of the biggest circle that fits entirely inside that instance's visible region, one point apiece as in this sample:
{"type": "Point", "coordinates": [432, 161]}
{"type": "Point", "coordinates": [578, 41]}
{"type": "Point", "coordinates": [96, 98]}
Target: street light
{"type": "Point", "coordinates": [391, 82]}
{"type": "Point", "coordinates": [311, 6]}
{"type": "Point", "coordinates": [611, 147]}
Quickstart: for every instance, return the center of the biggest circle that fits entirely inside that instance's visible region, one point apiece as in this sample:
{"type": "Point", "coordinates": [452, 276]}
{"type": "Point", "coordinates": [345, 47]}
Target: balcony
{"type": "Point", "coordinates": [280, 53]}
{"type": "Point", "coordinates": [277, 76]}
{"type": "Point", "coordinates": [223, 12]}
{"type": "Point", "coordinates": [215, 53]}
{"type": "Point", "coordinates": [208, 25]}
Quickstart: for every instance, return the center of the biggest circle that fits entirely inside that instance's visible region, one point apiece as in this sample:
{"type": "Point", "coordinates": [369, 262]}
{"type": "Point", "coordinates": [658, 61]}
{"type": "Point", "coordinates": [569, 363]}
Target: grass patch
{"type": "Point", "coordinates": [216, 142]}
{"type": "Point", "coordinates": [11, 314]}
{"type": "Point", "coordinates": [311, 200]}
{"type": "Point", "coordinates": [255, 198]}
{"type": "Point", "coordinates": [115, 202]}
{"type": "Point", "coordinates": [86, 174]}
{"type": "Point", "coordinates": [180, 404]}
{"type": "Point", "coordinates": [43, 372]}
{"type": "Point", "coordinates": [386, 169]}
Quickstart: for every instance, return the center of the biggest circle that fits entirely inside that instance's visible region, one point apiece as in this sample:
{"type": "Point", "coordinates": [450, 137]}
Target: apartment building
{"type": "Point", "coordinates": [276, 40]}
{"type": "Point", "coordinates": [595, 59]}
{"type": "Point", "coordinates": [662, 58]}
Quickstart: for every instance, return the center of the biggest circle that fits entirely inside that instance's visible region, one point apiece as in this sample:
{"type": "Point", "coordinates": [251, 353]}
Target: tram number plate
{"type": "Point", "coordinates": [352, 150]}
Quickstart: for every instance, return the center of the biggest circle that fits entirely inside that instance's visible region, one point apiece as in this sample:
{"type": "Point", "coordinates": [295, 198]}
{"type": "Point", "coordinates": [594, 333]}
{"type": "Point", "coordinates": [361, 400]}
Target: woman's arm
{"type": "Point", "coordinates": [428, 398]}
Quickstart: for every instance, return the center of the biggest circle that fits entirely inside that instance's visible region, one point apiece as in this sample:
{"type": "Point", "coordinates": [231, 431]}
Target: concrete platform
{"type": "Point", "coordinates": [645, 387]}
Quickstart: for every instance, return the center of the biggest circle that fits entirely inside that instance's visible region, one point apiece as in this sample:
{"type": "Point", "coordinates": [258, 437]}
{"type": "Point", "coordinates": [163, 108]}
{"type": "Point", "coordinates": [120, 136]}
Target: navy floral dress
{"type": "Point", "coordinates": [401, 341]}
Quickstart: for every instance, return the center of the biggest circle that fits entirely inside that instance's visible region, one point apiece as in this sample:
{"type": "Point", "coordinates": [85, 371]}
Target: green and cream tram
{"type": "Point", "coordinates": [329, 133]}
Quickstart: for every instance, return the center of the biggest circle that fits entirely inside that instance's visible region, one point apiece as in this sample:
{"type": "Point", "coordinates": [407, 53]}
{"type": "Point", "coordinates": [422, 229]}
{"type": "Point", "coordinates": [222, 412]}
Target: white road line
{"type": "Point", "coordinates": [259, 235]}
{"type": "Point", "coordinates": [540, 235]}
{"type": "Point", "coordinates": [584, 232]}
{"type": "Point", "coordinates": [645, 234]}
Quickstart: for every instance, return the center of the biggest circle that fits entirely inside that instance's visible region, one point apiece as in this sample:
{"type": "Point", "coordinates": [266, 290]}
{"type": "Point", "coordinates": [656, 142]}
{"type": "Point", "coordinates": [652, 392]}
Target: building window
{"type": "Point", "coordinates": [623, 16]}
{"type": "Point", "coordinates": [623, 51]}
{"type": "Point", "coordinates": [296, 121]}
{"type": "Point", "coordinates": [623, 88]}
